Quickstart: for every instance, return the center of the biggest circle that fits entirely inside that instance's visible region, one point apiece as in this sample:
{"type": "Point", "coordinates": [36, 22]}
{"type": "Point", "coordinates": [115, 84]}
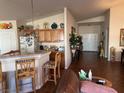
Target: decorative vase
{"type": "Point", "coordinates": [73, 51]}
{"type": "Point", "coordinates": [61, 25]}
{"type": "Point", "coordinates": [45, 25]}
{"type": "Point", "coordinates": [90, 75]}
{"type": "Point", "coordinates": [54, 26]}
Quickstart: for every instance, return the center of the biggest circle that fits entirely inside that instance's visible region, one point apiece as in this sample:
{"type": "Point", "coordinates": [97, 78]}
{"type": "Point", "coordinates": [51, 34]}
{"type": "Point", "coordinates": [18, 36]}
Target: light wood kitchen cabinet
{"type": "Point", "coordinates": [61, 35]}
{"type": "Point", "coordinates": [55, 36]}
{"type": "Point", "coordinates": [41, 35]}
{"type": "Point", "coordinates": [48, 36]}
{"type": "Point", "coordinates": [51, 35]}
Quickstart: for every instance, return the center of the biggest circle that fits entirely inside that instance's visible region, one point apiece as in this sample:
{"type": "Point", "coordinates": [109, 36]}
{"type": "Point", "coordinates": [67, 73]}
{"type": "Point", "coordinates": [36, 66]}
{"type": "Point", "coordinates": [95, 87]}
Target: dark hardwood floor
{"type": "Point", "coordinates": [112, 71]}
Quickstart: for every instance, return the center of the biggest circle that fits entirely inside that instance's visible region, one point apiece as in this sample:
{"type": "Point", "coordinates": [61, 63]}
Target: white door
{"type": "Point", "coordinates": [7, 41]}
{"type": "Point", "coordinates": [90, 42]}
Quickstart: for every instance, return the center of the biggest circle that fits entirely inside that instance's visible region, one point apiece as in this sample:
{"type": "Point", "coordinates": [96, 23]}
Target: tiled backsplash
{"type": "Point", "coordinates": [53, 46]}
{"type": "Point", "coordinates": [58, 44]}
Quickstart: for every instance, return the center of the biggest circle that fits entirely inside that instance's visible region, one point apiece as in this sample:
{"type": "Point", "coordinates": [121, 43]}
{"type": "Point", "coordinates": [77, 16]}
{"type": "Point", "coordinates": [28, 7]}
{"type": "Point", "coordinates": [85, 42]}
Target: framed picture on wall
{"type": "Point", "coordinates": [122, 37]}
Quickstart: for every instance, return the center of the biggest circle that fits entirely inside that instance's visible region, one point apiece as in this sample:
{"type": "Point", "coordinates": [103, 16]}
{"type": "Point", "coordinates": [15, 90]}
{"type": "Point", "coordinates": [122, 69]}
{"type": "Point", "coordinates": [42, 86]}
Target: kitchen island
{"type": "Point", "coordinates": [8, 67]}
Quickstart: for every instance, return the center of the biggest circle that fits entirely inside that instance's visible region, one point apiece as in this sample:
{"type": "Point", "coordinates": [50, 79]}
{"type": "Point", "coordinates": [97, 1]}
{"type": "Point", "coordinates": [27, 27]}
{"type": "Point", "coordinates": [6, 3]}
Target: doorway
{"type": "Point", "coordinates": [91, 35]}
{"type": "Point", "coordinates": [90, 42]}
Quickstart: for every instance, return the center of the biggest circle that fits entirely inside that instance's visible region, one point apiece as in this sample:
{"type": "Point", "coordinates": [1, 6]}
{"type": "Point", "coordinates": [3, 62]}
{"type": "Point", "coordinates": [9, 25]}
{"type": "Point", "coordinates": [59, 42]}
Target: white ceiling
{"type": "Point", "coordinates": [81, 9]}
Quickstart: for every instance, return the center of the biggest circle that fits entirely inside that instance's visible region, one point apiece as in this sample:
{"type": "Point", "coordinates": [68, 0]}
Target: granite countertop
{"type": "Point", "coordinates": [25, 54]}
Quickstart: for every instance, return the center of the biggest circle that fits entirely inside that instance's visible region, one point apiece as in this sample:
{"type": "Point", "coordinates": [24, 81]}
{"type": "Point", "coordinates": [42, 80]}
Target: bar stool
{"type": "Point", "coordinates": [122, 56]}
{"type": "Point", "coordinates": [2, 80]}
{"type": "Point", "coordinates": [25, 68]}
{"type": "Point", "coordinates": [52, 65]}
{"type": "Point", "coordinates": [112, 53]}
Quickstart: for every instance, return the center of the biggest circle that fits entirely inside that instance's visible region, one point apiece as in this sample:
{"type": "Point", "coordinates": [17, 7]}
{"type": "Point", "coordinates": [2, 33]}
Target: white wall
{"type": "Point", "coordinates": [9, 37]}
{"type": "Point", "coordinates": [95, 23]}
{"type": "Point", "coordinates": [116, 23]}
{"type": "Point", "coordinates": [85, 29]}
{"type": "Point", "coordinates": [92, 26]}
{"type": "Point", "coordinates": [94, 19]}
{"type": "Point", "coordinates": [90, 36]}
{"type": "Point", "coordinates": [57, 18]}
{"type": "Point", "coordinates": [69, 21]}
{"type": "Point", "coordinates": [106, 32]}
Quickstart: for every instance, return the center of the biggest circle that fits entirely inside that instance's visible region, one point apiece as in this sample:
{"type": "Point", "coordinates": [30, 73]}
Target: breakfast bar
{"type": "Point", "coordinates": [8, 67]}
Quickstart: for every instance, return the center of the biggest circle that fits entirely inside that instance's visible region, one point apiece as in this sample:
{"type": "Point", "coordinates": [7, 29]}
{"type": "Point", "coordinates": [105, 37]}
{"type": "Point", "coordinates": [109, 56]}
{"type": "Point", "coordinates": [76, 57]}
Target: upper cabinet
{"type": "Point", "coordinates": [54, 36]}
{"type": "Point", "coordinates": [47, 36]}
{"type": "Point", "coordinates": [51, 35]}
{"type": "Point", "coordinates": [61, 35]}
{"type": "Point", "coordinates": [41, 36]}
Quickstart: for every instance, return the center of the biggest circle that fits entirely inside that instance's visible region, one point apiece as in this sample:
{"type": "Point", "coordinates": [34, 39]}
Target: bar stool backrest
{"type": "Point", "coordinates": [57, 58]}
{"type": "Point", "coordinates": [25, 67]}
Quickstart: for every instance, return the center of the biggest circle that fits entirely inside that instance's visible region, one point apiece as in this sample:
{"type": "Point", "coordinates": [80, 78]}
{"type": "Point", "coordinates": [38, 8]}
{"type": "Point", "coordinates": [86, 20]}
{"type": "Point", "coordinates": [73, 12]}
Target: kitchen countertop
{"type": "Point", "coordinates": [25, 54]}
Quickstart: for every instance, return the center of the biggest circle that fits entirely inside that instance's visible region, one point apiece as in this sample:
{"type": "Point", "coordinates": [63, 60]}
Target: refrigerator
{"type": "Point", "coordinates": [27, 44]}
{"type": "Point", "coordinates": [8, 36]}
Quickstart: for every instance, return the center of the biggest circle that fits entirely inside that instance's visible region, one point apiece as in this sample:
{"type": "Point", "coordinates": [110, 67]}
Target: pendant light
{"type": "Point", "coordinates": [32, 13]}
{"type": "Point", "coordinates": [35, 34]}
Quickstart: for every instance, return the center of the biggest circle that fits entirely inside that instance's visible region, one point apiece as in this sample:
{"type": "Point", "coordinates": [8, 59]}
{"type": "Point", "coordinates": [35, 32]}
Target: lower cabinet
{"type": "Point", "coordinates": [62, 61]}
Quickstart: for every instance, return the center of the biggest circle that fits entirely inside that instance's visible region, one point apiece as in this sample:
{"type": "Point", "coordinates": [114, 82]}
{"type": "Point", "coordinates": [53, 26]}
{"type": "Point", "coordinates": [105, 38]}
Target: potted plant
{"type": "Point", "coordinates": [73, 40]}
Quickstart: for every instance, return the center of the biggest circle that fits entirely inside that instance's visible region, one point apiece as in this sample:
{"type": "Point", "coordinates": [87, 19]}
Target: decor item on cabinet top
{"type": "Point", "coordinates": [61, 25]}
{"type": "Point", "coordinates": [6, 25]}
{"type": "Point", "coordinates": [46, 25]}
{"type": "Point", "coordinates": [21, 27]}
{"type": "Point", "coordinates": [54, 26]}
{"type": "Point", "coordinates": [25, 27]}
{"type": "Point", "coordinates": [27, 30]}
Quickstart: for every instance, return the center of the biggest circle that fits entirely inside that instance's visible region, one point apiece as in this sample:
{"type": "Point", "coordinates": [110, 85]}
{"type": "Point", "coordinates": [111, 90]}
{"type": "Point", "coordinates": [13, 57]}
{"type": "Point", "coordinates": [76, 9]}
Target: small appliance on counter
{"type": "Point", "coordinates": [46, 47]}
{"type": "Point", "coordinates": [54, 48]}
{"type": "Point", "coordinates": [41, 47]}
{"type": "Point", "coordinates": [61, 48]}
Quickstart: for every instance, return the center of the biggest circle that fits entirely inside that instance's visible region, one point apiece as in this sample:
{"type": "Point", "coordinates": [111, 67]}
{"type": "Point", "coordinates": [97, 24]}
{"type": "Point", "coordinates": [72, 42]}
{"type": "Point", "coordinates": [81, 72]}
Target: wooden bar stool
{"type": "Point", "coordinates": [25, 68]}
{"type": "Point", "coordinates": [52, 65]}
{"type": "Point", "coordinates": [112, 54]}
{"type": "Point", "coordinates": [2, 80]}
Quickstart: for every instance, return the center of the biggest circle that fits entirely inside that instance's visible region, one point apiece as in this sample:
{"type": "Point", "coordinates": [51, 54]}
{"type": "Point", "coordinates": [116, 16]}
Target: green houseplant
{"type": "Point", "coordinates": [73, 40]}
